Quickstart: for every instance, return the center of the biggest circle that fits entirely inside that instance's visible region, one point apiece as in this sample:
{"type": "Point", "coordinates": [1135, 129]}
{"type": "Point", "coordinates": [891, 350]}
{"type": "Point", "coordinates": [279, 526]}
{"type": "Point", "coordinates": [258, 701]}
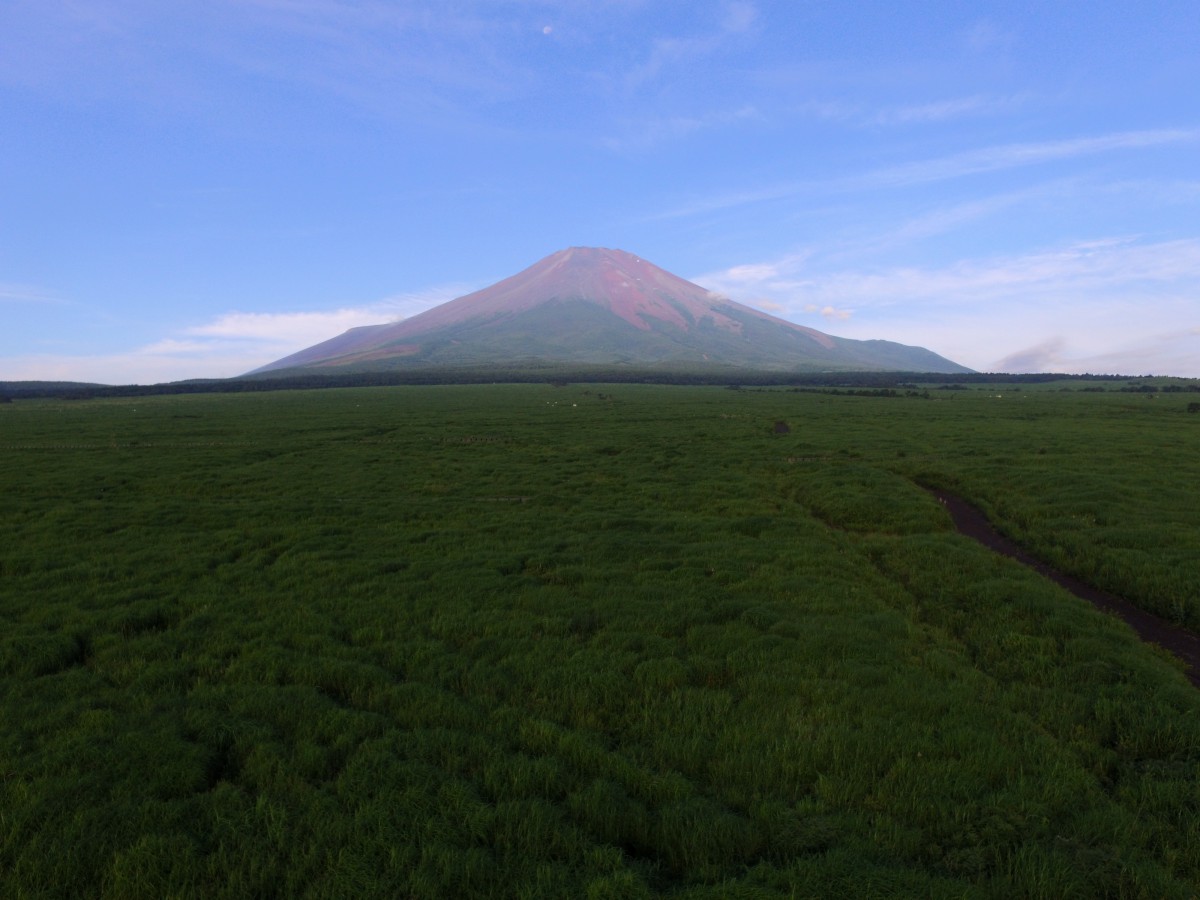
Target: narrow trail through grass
{"type": "Point", "coordinates": [1181, 642]}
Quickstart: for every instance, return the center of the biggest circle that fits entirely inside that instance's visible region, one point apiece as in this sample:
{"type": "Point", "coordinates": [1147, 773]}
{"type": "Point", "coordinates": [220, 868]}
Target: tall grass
{"type": "Point", "coordinates": [588, 641]}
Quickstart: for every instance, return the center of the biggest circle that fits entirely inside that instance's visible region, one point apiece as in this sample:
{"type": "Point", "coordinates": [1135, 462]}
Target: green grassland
{"type": "Point", "coordinates": [593, 641]}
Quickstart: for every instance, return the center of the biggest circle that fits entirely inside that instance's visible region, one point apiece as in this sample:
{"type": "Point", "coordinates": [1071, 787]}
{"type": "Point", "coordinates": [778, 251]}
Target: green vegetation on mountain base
{"type": "Point", "coordinates": [592, 640]}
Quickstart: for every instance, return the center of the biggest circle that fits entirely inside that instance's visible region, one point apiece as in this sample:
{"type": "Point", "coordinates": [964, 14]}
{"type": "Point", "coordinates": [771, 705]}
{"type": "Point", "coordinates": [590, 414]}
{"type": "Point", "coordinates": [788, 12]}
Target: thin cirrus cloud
{"type": "Point", "coordinates": [646, 134]}
{"type": "Point", "coordinates": [945, 168]}
{"type": "Point", "coordinates": [437, 55]}
{"type": "Point", "coordinates": [1010, 156]}
{"type": "Point", "coordinates": [24, 293]}
{"type": "Point", "coordinates": [380, 56]}
{"type": "Point", "coordinates": [739, 18]}
{"type": "Point", "coordinates": [941, 220]}
{"type": "Point", "coordinates": [945, 110]}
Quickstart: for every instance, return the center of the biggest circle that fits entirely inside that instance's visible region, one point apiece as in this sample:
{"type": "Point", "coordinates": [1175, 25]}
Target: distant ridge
{"type": "Point", "coordinates": [596, 306]}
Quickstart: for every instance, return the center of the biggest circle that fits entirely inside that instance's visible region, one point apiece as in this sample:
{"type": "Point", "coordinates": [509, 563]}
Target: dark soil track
{"type": "Point", "coordinates": [1184, 644]}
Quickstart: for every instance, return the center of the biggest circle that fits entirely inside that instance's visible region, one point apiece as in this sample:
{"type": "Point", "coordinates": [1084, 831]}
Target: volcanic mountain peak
{"type": "Point", "coordinates": [625, 285]}
{"type": "Point", "coordinates": [600, 306]}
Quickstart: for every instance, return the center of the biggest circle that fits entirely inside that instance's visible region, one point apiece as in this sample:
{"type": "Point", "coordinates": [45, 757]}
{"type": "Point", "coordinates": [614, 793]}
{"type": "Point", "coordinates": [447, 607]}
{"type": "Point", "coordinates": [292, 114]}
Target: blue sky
{"type": "Point", "coordinates": [196, 188]}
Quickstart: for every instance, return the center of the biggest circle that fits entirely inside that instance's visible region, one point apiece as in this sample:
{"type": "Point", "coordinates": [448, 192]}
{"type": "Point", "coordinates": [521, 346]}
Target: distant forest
{"type": "Point", "coordinates": [734, 378]}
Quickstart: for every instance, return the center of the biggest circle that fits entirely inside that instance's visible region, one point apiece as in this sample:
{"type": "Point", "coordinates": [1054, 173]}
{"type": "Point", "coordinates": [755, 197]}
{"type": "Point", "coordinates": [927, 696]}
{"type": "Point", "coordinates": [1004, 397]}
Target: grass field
{"type": "Point", "coordinates": [593, 641]}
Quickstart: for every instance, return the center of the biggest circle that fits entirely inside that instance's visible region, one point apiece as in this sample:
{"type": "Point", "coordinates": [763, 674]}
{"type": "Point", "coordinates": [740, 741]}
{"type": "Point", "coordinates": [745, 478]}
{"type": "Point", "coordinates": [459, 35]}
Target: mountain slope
{"type": "Point", "coordinates": [600, 306]}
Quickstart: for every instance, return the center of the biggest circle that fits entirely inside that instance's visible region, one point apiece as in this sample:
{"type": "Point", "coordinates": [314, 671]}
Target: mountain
{"type": "Point", "coordinates": [594, 306]}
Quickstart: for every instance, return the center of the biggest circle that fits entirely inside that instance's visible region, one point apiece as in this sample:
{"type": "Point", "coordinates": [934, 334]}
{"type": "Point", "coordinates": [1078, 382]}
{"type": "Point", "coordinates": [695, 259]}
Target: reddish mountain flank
{"type": "Point", "coordinates": [598, 306]}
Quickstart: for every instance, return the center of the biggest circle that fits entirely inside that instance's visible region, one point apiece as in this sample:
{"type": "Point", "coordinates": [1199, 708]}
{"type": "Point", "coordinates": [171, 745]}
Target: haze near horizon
{"type": "Point", "coordinates": [197, 190]}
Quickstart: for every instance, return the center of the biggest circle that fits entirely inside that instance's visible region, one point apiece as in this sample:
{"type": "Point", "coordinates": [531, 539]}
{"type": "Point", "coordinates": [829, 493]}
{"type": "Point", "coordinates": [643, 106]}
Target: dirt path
{"type": "Point", "coordinates": [1184, 644]}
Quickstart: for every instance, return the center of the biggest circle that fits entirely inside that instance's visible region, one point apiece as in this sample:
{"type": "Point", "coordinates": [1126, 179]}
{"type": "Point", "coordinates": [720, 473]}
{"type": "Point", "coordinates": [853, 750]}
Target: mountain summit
{"type": "Point", "coordinates": [594, 306]}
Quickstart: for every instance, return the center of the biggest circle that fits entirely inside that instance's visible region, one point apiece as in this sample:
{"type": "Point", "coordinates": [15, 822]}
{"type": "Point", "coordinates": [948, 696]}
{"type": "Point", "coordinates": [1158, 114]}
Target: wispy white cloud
{"type": "Point", "coordinates": [1010, 156]}
{"type": "Point", "coordinates": [864, 115]}
{"type": "Point", "coordinates": [1118, 304]}
{"type": "Point", "coordinates": [985, 36]}
{"type": "Point", "coordinates": [647, 133]}
{"type": "Point", "coordinates": [945, 110]}
{"type": "Point", "coordinates": [949, 218]}
{"type": "Point", "coordinates": [929, 112]}
{"type": "Point", "coordinates": [717, 202]}
{"type": "Point", "coordinates": [284, 328]}
{"type": "Point", "coordinates": [462, 67]}
{"type": "Point", "coordinates": [945, 168]}
{"type": "Point", "coordinates": [309, 327]}
{"type": "Point", "coordinates": [1109, 264]}
{"type": "Point", "coordinates": [740, 16]}
{"type": "Point", "coordinates": [434, 55]}
{"type": "Point", "coordinates": [829, 312]}
{"type": "Point", "coordinates": [25, 293]}
{"type": "Point", "coordinates": [229, 344]}
{"type": "Point", "coordinates": [387, 58]}
{"type": "Point", "coordinates": [666, 53]}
